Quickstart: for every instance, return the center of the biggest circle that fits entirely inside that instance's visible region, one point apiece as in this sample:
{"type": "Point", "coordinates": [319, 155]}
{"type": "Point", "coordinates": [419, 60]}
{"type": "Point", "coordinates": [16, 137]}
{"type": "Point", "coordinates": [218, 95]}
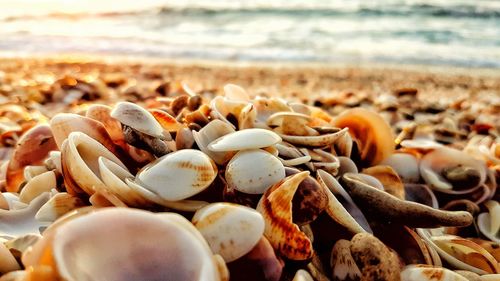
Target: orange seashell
{"type": "Point", "coordinates": [33, 147]}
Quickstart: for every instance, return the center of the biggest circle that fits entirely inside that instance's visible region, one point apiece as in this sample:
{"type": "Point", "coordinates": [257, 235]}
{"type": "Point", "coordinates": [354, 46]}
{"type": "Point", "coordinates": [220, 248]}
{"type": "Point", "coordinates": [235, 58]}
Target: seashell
{"type": "Point", "coordinates": [276, 209]}
{"type": "Point", "coordinates": [429, 273]}
{"type": "Point", "coordinates": [302, 275]}
{"type": "Point", "coordinates": [471, 276]}
{"type": "Point", "coordinates": [37, 185]}
{"type": "Point", "coordinates": [343, 265]}
{"type": "Point", "coordinates": [460, 253]}
{"type": "Point", "coordinates": [278, 119]}
{"type": "Point", "coordinates": [17, 275]}
{"type": "Point", "coordinates": [373, 134]}
{"type": "Point", "coordinates": [184, 139]}
{"type": "Point", "coordinates": [165, 242]}
{"type": "Point", "coordinates": [247, 116]}
{"type": "Point", "coordinates": [32, 148]}
{"type": "Point", "coordinates": [300, 108]}
{"type": "Point", "coordinates": [450, 169]}
{"type": "Point", "coordinates": [406, 165]}
{"type": "Point", "coordinates": [212, 131]}
{"type": "Point", "coordinates": [235, 92]}
{"type": "Point", "coordinates": [230, 230]}
{"type": "Point", "coordinates": [57, 206]}
{"type": "Point", "coordinates": [268, 106]}
{"type": "Point", "coordinates": [80, 154]}
{"type": "Point", "coordinates": [371, 181]}
{"type": "Point", "coordinates": [138, 118]}
{"type": "Point", "coordinates": [33, 171]}
{"type": "Point", "coordinates": [245, 139]}
{"type": "Point", "coordinates": [15, 223]}
{"type": "Point", "coordinates": [223, 108]}
{"type": "Point", "coordinates": [374, 259]}
{"type": "Point", "coordinates": [420, 193]}
{"type": "Point", "coordinates": [53, 162]}
{"type": "Point", "coordinates": [296, 161]}
{"type": "Point", "coordinates": [421, 144]}
{"type": "Point", "coordinates": [490, 277]}
{"type": "Point", "coordinates": [389, 179]}
{"type": "Point", "coordinates": [316, 141]}
{"type": "Point", "coordinates": [4, 204]}
{"type": "Point", "coordinates": [343, 146]}
{"type": "Point", "coordinates": [10, 200]}
{"type": "Point", "coordinates": [261, 263]}
{"type": "Point", "coordinates": [336, 209]}
{"type": "Point", "coordinates": [7, 261]}
{"type": "Point", "coordinates": [309, 200]}
{"type": "Point", "coordinates": [291, 123]}
{"type": "Point", "coordinates": [489, 223]}
{"type": "Point", "coordinates": [104, 198]}
{"type": "Point", "coordinates": [492, 247]}
{"type": "Point", "coordinates": [178, 175]}
{"type": "Point", "coordinates": [19, 245]}
{"type": "Point", "coordinates": [346, 166]}
{"type": "Point", "coordinates": [379, 204]}
{"type": "Point", "coordinates": [167, 121]}
{"type": "Point", "coordinates": [102, 113]}
{"type": "Point", "coordinates": [253, 171]}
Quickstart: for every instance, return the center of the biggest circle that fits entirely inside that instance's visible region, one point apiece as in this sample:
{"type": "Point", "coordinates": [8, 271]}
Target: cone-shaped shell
{"type": "Point", "coordinates": [32, 148]}
{"type": "Point", "coordinates": [231, 230]}
{"type": "Point", "coordinates": [178, 175]}
{"type": "Point", "coordinates": [276, 209]}
{"type": "Point", "coordinates": [245, 139]}
{"type": "Point", "coordinates": [138, 118]}
{"type": "Point", "coordinates": [375, 136]}
{"type": "Point", "coordinates": [253, 171]}
{"type": "Point", "coordinates": [151, 247]}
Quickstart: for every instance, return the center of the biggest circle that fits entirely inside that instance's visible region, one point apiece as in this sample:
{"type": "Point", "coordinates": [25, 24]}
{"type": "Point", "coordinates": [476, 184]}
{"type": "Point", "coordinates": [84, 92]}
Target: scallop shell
{"type": "Point", "coordinates": [245, 139]}
{"type": "Point", "coordinates": [231, 230]}
{"type": "Point", "coordinates": [253, 171]}
{"type": "Point", "coordinates": [276, 209]}
{"type": "Point", "coordinates": [178, 175]}
{"type": "Point", "coordinates": [137, 118]}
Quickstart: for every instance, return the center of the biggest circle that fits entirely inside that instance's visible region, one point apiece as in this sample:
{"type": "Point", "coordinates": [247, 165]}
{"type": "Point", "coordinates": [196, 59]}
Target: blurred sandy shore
{"type": "Point", "coordinates": [300, 80]}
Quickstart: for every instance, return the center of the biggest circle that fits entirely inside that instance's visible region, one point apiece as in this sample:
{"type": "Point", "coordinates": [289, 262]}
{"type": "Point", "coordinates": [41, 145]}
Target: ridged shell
{"type": "Point", "coordinates": [276, 209]}
{"type": "Point", "coordinates": [253, 171]}
{"type": "Point", "coordinates": [178, 175]}
{"type": "Point", "coordinates": [244, 139]}
{"type": "Point", "coordinates": [231, 230]}
{"type": "Point", "coordinates": [137, 118]}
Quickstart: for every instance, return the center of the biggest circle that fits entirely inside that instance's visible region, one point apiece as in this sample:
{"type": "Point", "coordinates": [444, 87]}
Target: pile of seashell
{"type": "Point", "coordinates": [234, 188]}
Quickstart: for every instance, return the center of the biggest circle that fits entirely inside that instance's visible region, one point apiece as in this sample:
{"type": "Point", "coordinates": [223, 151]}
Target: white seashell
{"type": "Point", "coordinates": [15, 223]}
{"type": "Point", "coordinates": [245, 139]}
{"type": "Point", "coordinates": [10, 200]}
{"type": "Point", "coordinates": [80, 154]}
{"type": "Point", "coordinates": [490, 277]}
{"type": "Point", "coordinates": [57, 206]}
{"type": "Point", "coordinates": [152, 247]}
{"type": "Point", "coordinates": [235, 92]}
{"type": "Point", "coordinates": [54, 161]}
{"type": "Point", "coordinates": [253, 171]}
{"type": "Point", "coordinates": [489, 223]}
{"type": "Point", "coordinates": [317, 141]}
{"type": "Point", "coordinates": [406, 165]}
{"type": "Point", "coordinates": [137, 118]}
{"type": "Point", "coordinates": [222, 107]}
{"type": "Point", "coordinates": [296, 161]}
{"type": "Point", "coordinates": [18, 275]}
{"type": "Point", "coordinates": [231, 230]}
{"type": "Point", "coordinates": [302, 275]}
{"type": "Point", "coordinates": [429, 273]}
{"type": "Point", "coordinates": [178, 175]}
{"type": "Point", "coordinates": [421, 143]}
{"type": "Point", "coordinates": [277, 118]}
{"type": "Point", "coordinates": [268, 106]}
{"type": "Point", "coordinates": [212, 131]}
{"type": "Point", "coordinates": [37, 185]}
{"type": "Point", "coordinates": [33, 171]}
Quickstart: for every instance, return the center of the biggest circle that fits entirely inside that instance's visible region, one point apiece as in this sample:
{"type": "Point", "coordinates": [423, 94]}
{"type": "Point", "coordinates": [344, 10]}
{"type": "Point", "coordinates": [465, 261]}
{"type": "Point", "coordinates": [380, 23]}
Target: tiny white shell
{"type": "Point", "coordinates": [253, 171]}
{"type": "Point", "coordinates": [231, 230]}
{"type": "Point", "coordinates": [245, 139]}
{"type": "Point", "coordinates": [137, 118]}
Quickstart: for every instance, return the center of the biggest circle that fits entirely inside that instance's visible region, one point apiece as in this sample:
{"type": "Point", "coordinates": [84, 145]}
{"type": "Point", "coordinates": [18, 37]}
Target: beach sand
{"type": "Point", "coordinates": [304, 81]}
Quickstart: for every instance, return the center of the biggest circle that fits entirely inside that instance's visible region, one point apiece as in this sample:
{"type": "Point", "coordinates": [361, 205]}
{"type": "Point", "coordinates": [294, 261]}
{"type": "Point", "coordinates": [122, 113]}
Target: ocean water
{"type": "Point", "coordinates": [448, 32]}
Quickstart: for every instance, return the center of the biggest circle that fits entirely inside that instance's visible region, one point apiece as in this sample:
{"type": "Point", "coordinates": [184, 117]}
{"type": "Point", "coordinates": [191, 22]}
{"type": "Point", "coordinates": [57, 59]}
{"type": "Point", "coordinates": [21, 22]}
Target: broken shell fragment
{"type": "Point", "coordinates": [178, 175]}
{"type": "Point", "coordinates": [315, 141]}
{"type": "Point", "coordinates": [253, 171]}
{"type": "Point", "coordinates": [231, 230]}
{"type": "Point", "coordinates": [276, 209]}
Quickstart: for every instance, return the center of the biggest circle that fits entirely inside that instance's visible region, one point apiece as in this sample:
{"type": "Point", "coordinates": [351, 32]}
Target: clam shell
{"type": "Point", "coordinates": [244, 139]}
{"type": "Point", "coordinates": [33, 171]}
{"type": "Point", "coordinates": [102, 113]}
{"type": "Point", "coordinates": [302, 275]}
{"type": "Point", "coordinates": [253, 171]}
{"type": "Point", "coordinates": [434, 164]}
{"type": "Point", "coordinates": [231, 230]}
{"type": "Point", "coordinates": [489, 223]}
{"type": "Point", "coordinates": [137, 118]}
{"type": "Point", "coordinates": [406, 165]}
{"type": "Point", "coordinates": [276, 209]}
{"type": "Point", "coordinates": [388, 178]}
{"type": "Point", "coordinates": [268, 106]}
{"type": "Point", "coordinates": [167, 121]}
{"type": "Point", "coordinates": [57, 206]}
{"type": "Point", "coordinates": [80, 156]}
{"type": "Point", "coordinates": [235, 92]}
{"type": "Point", "coordinates": [152, 247]}
{"type": "Point", "coordinates": [32, 148]}
{"type": "Point", "coordinates": [37, 185]}
{"type": "Point", "coordinates": [429, 273]}
{"type": "Point", "coordinates": [212, 131]}
{"type": "Point", "coordinates": [178, 175]}
{"type": "Point", "coordinates": [222, 108]}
